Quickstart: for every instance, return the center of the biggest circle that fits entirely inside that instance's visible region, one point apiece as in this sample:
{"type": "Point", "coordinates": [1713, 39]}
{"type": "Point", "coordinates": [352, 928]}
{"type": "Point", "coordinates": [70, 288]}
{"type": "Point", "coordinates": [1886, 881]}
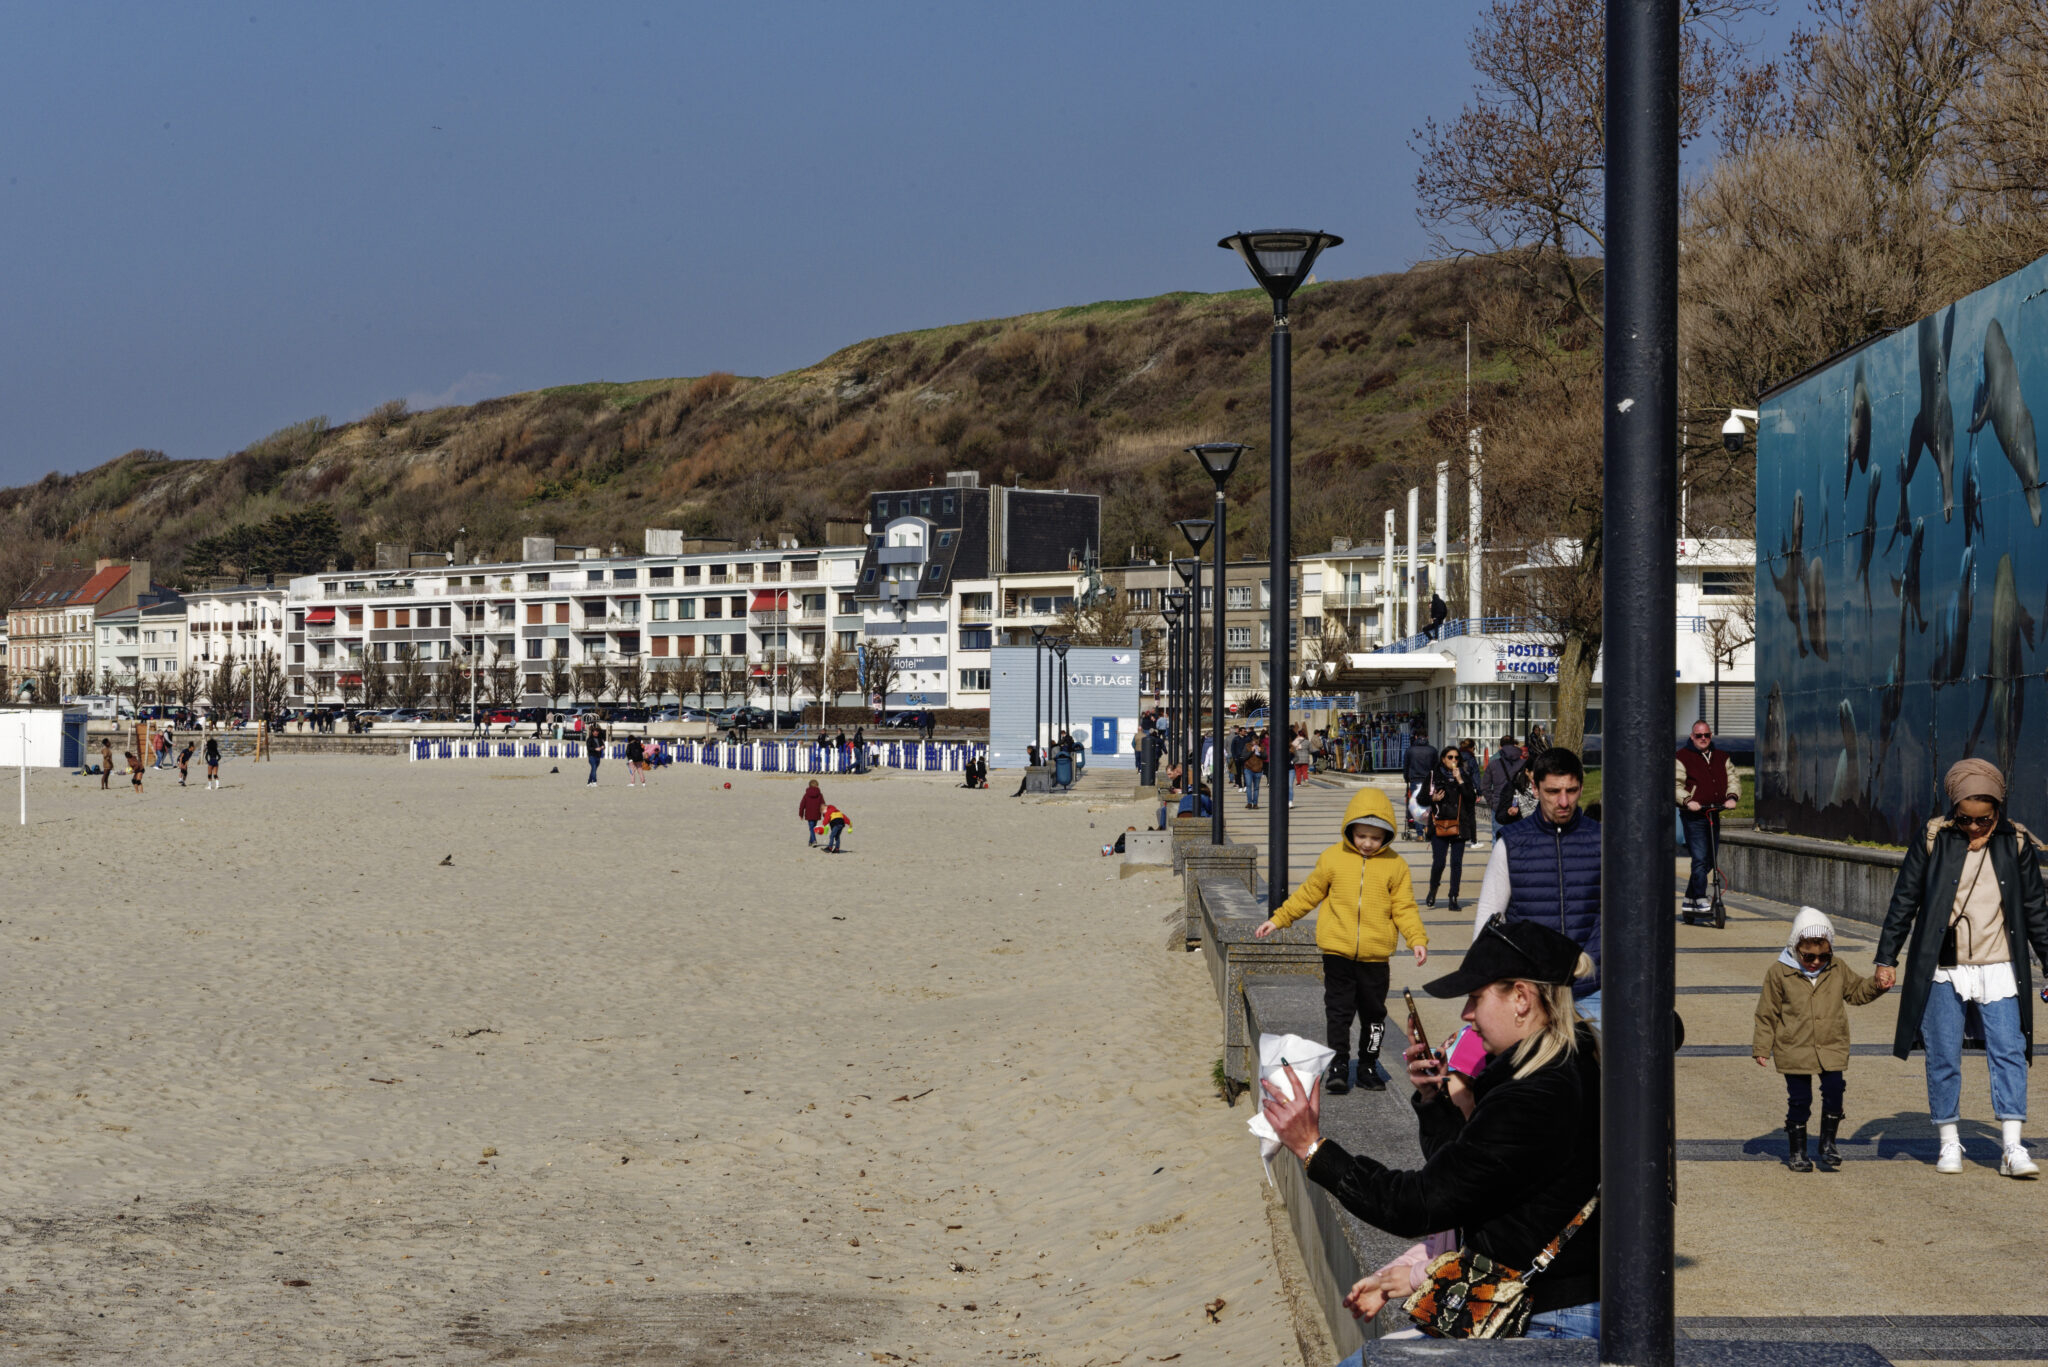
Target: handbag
{"type": "Point", "coordinates": [1467, 1295]}
{"type": "Point", "coordinates": [1947, 958]}
{"type": "Point", "coordinates": [1447, 827]}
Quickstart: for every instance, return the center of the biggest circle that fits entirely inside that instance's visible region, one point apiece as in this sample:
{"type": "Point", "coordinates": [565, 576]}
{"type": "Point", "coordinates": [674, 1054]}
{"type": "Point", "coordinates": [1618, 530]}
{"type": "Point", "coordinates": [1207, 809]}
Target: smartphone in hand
{"type": "Point", "coordinates": [1415, 1031]}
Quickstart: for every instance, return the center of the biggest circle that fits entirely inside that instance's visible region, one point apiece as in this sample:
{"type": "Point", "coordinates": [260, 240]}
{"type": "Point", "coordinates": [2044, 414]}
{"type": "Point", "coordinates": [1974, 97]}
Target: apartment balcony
{"type": "Point", "coordinates": [712, 577]}
{"type": "Point", "coordinates": [394, 591]}
{"type": "Point", "coordinates": [1351, 598]}
{"type": "Point", "coordinates": [900, 555]}
{"type": "Point", "coordinates": [973, 617]}
{"type": "Point", "coordinates": [801, 574]}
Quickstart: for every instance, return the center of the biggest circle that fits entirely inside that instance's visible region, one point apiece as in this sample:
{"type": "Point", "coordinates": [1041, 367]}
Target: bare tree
{"type": "Point", "coordinates": [81, 680]}
{"type": "Point", "coordinates": [376, 680]}
{"type": "Point", "coordinates": [557, 683]}
{"type": "Point", "coordinates": [881, 674]}
{"type": "Point", "coordinates": [50, 683]}
{"type": "Point", "coordinates": [842, 676]}
{"type": "Point", "coordinates": [272, 682]}
{"type": "Point", "coordinates": [223, 690]}
{"type": "Point", "coordinates": [410, 678]}
{"type": "Point", "coordinates": [589, 681]}
{"type": "Point", "coordinates": [689, 675]}
{"type": "Point", "coordinates": [350, 686]}
{"type": "Point", "coordinates": [504, 680]}
{"type": "Point", "coordinates": [629, 681]}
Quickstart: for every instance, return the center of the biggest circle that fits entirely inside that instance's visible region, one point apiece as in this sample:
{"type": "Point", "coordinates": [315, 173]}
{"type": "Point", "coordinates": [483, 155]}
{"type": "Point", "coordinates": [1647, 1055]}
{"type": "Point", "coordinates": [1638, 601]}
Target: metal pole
{"type": "Point", "coordinates": [1637, 939]}
{"type": "Point", "coordinates": [1280, 606]}
{"type": "Point", "coordinates": [1216, 679]}
{"type": "Point", "coordinates": [1413, 580]}
{"type": "Point", "coordinates": [1037, 694]}
{"type": "Point", "coordinates": [1195, 675]}
{"type": "Point", "coordinates": [24, 773]}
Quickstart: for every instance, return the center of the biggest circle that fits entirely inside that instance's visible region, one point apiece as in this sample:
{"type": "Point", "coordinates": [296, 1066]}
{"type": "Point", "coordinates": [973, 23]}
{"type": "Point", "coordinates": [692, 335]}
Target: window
{"type": "Point", "coordinates": [904, 505]}
{"type": "Point", "coordinates": [625, 576]}
{"type": "Point", "coordinates": [405, 617]}
{"type": "Point", "coordinates": [1265, 636]}
{"type": "Point", "coordinates": [380, 619]}
{"type": "Point", "coordinates": [562, 614]}
{"type": "Point", "coordinates": [659, 645]}
{"type": "Point", "coordinates": [686, 609]}
{"type": "Point", "coordinates": [537, 581]}
{"type": "Point", "coordinates": [533, 646]}
{"type": "Point", "coordinates": [533, 614]}
{"type": "Point", "coordinates": [739, 608]}
{"type": "Point", "coordinates": [881, 507]}
{"type": "Point", "coordinates": [593, 576]}
{"type": "Point", "coordinates": [1140, 598]}
{"type": "Point", "coordinates": [1312, 627]}
{"type": "Point", "coordinates": [947, 505]}
{"type": "Point", "coordinates": [974, 680]}
{"type": "Point", "coordinates": [976, 638]}
{"type": "Point", "coordinates": [1238, 638]}
{"type": "Point", "coordinates": [383, 651]}
{"type": "Point", "coordinates": [739, 643]}
{"type": "Point", "coordinates": [868, 575]}
{"type": "Point", "coordinates": [1727, 584]}
{"type": "Point", "coordinates": [945, 540]}
{"type": "Point", "coordinates": [693, 574]}
{"type": "Point", "coordinates": [924, 505]}
{"type": "Point", "coordinates": [848, 640]}
{"type": "Point", "coordinates": [1240, 676]}
{"type": "Point", "coordinates": [847, 604]}
{"type": "Point", "coordinates": [714, 607]}
{"type": "Point", "coordinates": [938, 572]}
{"type": "Point", "coordinates": [661, 609]}
{"type": "Point", "coordinates": [444, 650]}
{"type": "Point", "coordinates": [1311, 583]}
{"type": "Point", "coordinates": [1238, 596]}
{"type": "Point", "coordinates": [661, 574]}
{"type": "Point", "coordinates": [504, 614]}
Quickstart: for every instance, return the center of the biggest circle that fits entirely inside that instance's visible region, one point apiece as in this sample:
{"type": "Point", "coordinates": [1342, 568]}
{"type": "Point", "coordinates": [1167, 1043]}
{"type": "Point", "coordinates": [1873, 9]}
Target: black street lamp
{"type": "Point", "coordinates": [1280, 260]}
{"type": "Point", "coordinates": [1639, 587]}
{"type": "Point", "coordinates": [1037, 691]}
{"type": "Point", "coordinates": [1190, 571]}
{"type": "Point", "coordinates": [1196, 531]}
{"type": "Point", "coordinates": [1061, 727]}
{"type": "Point", "coordinates": [1176, 636]}
{"type": "Point", "coordinates": [1219, 458]}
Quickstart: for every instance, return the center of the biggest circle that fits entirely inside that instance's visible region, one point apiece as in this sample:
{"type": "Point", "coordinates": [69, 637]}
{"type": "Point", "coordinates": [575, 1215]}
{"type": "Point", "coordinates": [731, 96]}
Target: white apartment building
{"type": "Point", "coordinates": [238, 622]}
{"type": "Point", "coordinates": [700, 621]}
{"type": "Point", "coordinates": [146, 646]}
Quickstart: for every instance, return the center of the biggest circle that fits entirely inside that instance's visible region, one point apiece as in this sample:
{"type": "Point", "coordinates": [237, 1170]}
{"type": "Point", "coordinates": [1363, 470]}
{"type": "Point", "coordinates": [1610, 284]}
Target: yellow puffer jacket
{"type": "Point", "coordinates": [1367, 901]}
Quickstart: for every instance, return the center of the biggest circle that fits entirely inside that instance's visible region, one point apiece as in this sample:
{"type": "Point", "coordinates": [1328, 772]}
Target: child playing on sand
{"type": "Point", "coordinates": [184, 763]}
{"type": "Point", "coordinates": [1368, 906]}
{"type": "Point", "coordinates": [134, 763]}
{"type": "Point", "coordinates": [1802, 1023]}
{"type": "Point", "coordinates": [832, 821]}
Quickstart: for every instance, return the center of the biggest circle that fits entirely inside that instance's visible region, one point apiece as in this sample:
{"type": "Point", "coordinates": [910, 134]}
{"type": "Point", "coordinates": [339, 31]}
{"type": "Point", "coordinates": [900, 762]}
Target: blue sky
{"type": "Point", "coordinates": [222, 219]}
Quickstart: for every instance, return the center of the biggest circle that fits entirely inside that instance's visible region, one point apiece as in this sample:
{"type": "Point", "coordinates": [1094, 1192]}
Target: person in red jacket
{"type": "Point", "coordinates": [809, 806]}
{"type": "Point", "coordinates": [1706, 785]}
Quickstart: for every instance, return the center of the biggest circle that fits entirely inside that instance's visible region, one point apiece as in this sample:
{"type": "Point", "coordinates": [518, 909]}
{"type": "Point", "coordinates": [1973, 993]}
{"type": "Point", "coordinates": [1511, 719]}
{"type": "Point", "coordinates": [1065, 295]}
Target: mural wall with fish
{"type": "Point", "coordinates": [1902, 577]}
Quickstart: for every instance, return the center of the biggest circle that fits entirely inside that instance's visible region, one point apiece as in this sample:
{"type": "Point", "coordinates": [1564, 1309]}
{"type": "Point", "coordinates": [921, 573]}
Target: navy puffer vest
{"type": "Point", "coordinates": [1554, 880]}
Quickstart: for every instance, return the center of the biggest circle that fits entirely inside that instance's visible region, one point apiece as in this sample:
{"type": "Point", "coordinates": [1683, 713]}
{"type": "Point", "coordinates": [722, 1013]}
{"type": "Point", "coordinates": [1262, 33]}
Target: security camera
{"type": "Point", "coordinates": [1733, 434]}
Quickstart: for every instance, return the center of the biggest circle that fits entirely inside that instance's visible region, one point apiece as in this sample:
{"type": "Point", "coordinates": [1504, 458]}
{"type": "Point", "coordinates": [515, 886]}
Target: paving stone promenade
{"type": "Point", "coordinates": [1884, 1251]}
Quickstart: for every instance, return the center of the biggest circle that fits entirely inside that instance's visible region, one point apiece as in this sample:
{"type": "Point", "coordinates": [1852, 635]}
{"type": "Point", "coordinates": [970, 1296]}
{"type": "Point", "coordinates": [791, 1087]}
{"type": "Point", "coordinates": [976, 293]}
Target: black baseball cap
{"type": "Point", "coordinates": [1507, 951]}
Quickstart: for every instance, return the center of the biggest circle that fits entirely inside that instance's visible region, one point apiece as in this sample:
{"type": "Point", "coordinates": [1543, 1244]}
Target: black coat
{"type": "Point", "coordinates": [1460, 799]}
{"type": "Point", "coordinates": [1923, 899]}
{"type": "Point", "coordinates": [1421, 761]}
{"type": "Point", "coordinates": [1512, 1177]}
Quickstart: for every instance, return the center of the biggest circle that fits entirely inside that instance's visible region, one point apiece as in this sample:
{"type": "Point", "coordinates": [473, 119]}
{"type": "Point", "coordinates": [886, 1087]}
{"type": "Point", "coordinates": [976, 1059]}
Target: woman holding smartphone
{"type": "Point", "coordinates": [1510, 1159]}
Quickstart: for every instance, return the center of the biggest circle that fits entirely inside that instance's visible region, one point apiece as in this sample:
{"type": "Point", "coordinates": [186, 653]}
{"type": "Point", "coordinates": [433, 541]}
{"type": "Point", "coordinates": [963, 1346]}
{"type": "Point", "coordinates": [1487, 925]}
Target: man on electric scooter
{"type": "Point", "coordinates": [1707, 785]}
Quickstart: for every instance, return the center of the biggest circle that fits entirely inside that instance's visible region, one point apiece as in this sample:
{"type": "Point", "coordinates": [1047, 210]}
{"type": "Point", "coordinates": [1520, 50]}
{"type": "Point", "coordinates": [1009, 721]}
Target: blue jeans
{"type": "Point", "coordinates": [809, 829]}
{"type": "Point", "coordinates": [595, 758]}
{"type": "Point", "coordinates": [1251, 788]}
{"type": "Point", "coordinates": [1699, 830]}
{"type": "Point", "coordinates": [1589, 1007]}
{"type": "Point", "coordinates": [1941, 1029]}
{"type": "Point", "coordinates": [1572, 1322]}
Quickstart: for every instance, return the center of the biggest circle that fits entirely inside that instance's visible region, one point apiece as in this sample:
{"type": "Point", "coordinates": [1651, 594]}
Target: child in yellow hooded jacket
{"type": "Point", "coordinates": [1367, 900]}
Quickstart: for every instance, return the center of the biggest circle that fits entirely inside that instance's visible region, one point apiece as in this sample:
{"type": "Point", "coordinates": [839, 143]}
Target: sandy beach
{"type": "Point", "coordinates": [356, 1060]}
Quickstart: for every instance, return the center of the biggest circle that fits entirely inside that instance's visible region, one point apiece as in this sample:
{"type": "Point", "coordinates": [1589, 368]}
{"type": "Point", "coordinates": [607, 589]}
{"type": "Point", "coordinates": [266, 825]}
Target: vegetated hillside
{"type": "Point", "coordinates": [1100, 398]}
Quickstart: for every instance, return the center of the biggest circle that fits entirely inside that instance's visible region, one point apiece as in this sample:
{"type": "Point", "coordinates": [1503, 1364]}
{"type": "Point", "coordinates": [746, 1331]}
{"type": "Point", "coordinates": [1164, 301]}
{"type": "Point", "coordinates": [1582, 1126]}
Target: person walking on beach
{"type": "Point", "coordinates": [1971, 899]}
{"type": "Point", "coordinates": [1416, 772]}
{"type": "Point", "coordinates": [1500, 771]}
{"type": "Point", "coordinates": [1802, 1025]}
{"type": "Point", "coordinates": [213, 762]}
{"type": "Point", "coordinates": [1452, 821]}
{"type": "Point", "coordinates": [635, 753]}
{"type": "Point", "coordinates": [1254, 770]}
{"type": "Point", "coordinates": [593, 746]}
{"type": "Point", "coordinates": [1546, 868]}
{"type": "Point", "coordinates": [184, 764]}
{"type": "Point", "coordinates": [1367, 901]}
{"type": "Point", "coordinates": [812, 805]}
{"type": "Point", "coordinates": [106, 762]}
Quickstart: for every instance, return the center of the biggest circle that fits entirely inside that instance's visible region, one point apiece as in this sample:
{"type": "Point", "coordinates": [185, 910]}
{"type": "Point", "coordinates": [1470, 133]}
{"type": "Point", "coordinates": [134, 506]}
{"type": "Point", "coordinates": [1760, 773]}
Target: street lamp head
{"type": "Point", "coordinates": [1038, 636]}
{"type": "Point", "coordinates": [1280, 258]}
{"type": "Point", "coordinates": [1176, 599]}
{"type": "Point", "coordinates": [1219, 458]}
{"type": "Point", "coordinates": [1196, 530]}
{"type": "Point", "coordinates": [1059, 648]}
{"type": "Point", "coordinates": [1185, 567]}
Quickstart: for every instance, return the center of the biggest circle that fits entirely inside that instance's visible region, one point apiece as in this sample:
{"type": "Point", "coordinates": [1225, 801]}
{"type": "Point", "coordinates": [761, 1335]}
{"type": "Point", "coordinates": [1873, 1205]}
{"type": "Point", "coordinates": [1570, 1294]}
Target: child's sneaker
{"type": "Point", "coordinates": [1337, 1081]}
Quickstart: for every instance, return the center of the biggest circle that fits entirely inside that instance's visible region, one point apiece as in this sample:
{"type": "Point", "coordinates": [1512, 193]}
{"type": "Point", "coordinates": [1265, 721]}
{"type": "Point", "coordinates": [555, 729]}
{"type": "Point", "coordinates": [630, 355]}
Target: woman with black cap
{"type": "Point", "coordinates": [1971, 896]}
{"type": "Point", "coordinates": [1513, 1158]}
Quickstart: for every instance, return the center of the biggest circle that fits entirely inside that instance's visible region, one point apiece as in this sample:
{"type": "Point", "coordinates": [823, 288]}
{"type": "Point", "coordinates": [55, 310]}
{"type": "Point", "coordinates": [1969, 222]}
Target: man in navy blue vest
{"type": "Point", "coordinates": [1547, 869]}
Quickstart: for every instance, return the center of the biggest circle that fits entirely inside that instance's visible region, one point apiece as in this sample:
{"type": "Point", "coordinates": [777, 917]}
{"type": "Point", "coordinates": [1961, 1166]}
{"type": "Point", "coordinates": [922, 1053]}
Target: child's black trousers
{"type": "Point", "coordinates": [1355, 988]}
{"type": "Point", "coordinates": [1799, 1096]}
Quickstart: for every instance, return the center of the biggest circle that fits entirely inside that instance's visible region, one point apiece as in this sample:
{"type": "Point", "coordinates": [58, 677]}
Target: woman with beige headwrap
{"type": "Point", "coordinates": [1970, 895]}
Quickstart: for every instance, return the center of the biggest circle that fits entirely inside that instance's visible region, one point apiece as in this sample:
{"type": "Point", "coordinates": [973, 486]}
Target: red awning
{"type": "Point", "coordinates": [771, 602]}
{"type": "Point", "coordinates": [319, 617]}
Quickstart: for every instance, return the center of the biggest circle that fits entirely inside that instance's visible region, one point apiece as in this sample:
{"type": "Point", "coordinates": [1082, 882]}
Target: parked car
{"type": "Point", "coordinates": [910, 721]}
{"type": "Point", "coordinates": [500, 716]}
{"type": "Point", "coordinates": [753, 718]}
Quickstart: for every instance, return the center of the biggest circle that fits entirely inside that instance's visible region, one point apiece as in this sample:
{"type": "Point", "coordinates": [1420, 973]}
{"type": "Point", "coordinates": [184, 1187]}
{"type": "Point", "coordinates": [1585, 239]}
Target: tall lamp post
{"type": "Point", "coordinates": [1639, 589]}
{"type": "Point", "coordinates": [1176, 613]}
{"type": "Point", "coordinates": [1037, 691]}
{"type": "Point", "coordinates": [1189, 569]}
{"type": "Point", "coordinates": [1196, 530]}
{"type": "Point", "coordinates": [1280, 260]}
{"type": "Point", "coordinates": [1061, 727]}
{"type": "Point", "coordinates": [1219, 458]}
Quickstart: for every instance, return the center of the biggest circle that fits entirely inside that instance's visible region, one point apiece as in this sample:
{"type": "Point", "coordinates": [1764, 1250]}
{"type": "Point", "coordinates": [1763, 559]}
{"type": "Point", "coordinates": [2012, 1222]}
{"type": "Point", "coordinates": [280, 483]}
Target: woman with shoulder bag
{"type": "Point", "coordinates": [1512, 1159]}
{"type": "Point", "coordinates": [1453, 798]}
{"type": "Point", "coordinates": [1971, 897]}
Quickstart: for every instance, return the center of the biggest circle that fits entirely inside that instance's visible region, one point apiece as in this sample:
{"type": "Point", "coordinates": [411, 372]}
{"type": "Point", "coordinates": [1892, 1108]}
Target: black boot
{"type": "Point", "coordinates": [1337, 1081]}
{"type": "Point", "coordinates": [1369, 1078]}
{"type": "Point", "coordinates": [1830, 1156]}
{"type": "Point", "coordinates": [1432, 896]}
{"type": "Point", "coordinates": [1795, 1149]}
{"type": "Point", "coordinates": [1454, 902]}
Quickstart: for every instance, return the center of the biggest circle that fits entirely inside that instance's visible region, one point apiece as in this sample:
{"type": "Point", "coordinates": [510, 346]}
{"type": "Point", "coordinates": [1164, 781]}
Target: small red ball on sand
{"type": "Point", "coordinates": [728, 785]}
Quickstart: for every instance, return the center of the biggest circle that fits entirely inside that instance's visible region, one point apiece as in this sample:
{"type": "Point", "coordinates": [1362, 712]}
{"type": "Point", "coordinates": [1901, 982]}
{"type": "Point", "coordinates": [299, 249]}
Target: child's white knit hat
{"type": "Point", "coordinates": [1810, 924]}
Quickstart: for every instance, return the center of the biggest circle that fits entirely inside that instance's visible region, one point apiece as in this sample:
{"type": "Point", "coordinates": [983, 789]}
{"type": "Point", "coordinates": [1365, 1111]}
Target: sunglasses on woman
{"type": "Point", "coordinates": [1977, 823]}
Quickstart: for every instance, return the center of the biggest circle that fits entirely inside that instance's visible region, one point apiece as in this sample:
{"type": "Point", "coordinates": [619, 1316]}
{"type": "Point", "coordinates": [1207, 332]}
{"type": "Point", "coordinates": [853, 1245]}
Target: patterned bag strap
{"type": "Point", "coordinates": [1555, 1246]}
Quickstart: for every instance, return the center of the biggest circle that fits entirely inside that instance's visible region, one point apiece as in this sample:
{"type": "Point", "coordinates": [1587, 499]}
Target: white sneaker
{"type": "Point", "coordinates": [1951, 1160]}
{"type": "Point", "coordinates": [2017, 1163]}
